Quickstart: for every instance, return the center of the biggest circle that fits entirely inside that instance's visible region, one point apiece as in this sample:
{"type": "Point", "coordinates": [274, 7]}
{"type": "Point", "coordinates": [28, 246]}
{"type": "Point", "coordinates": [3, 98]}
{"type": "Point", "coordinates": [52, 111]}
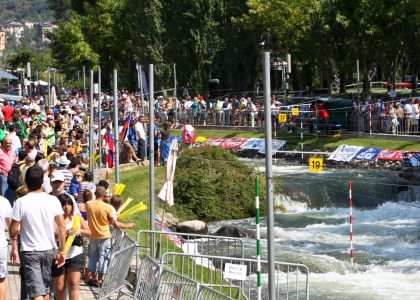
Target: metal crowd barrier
{"type": "Point", "coordinates": [292, 280]}
{"type": "Point", "coordinates": [175, 286]}
{"type": "Point", "coordinates": [196, 243]}
{"type": "Point", "coordinates": [147, 279]}
{"type": "Point", "coordinates": [382, 124]}
{"type": "Point", "coordinates": [119, 240]}
{"type": "Point", "coordinates": [119, 264]}
{"type": "Point", "coordinates": [205, 293]}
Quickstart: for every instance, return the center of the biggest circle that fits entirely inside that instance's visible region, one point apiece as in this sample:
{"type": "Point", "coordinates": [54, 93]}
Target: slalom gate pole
{"type": "Point", "coordinates": [257, 221]}
{"type": "Point", "coordinates": [370, 119]}
{"type": "Point", "coordinates": [351, 223]}
{"type": "Point", "coordinates": [275, 138]}
{"type": "Point", "coordinates": [301, 137]}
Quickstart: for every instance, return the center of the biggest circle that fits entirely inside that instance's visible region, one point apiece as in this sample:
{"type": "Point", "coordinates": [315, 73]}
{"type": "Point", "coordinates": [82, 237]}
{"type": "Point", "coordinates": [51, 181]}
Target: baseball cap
{"type": "Point", "coordinates": [57, 176]}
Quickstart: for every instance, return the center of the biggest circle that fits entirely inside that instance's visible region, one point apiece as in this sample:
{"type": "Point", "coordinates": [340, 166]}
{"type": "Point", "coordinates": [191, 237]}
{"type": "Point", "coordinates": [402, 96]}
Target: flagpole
{"type": "Point", "coordinates": [151, 159]}
{"type": "Point", "coordinates": [99, 115]}
{"type": "Point", "coordinates": [91, 125]}
{"type": "Point", "coordinates": [175, 102]}
{"type": "Point", "coordinates": [117, 137]}
{"type": "Point", "coordinates": [141, 94]}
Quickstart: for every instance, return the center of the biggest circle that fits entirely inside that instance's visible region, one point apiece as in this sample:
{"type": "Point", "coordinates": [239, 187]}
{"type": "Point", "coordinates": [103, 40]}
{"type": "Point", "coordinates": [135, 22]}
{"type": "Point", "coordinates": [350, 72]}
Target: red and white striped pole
{"type": "Point", "coordinates": [370, 119]}
{"type": "Point", "coordinates": [351, 224]}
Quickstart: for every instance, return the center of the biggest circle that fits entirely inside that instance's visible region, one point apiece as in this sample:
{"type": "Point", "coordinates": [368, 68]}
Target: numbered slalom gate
{"type": "Point", "coordinates": [237, 278]}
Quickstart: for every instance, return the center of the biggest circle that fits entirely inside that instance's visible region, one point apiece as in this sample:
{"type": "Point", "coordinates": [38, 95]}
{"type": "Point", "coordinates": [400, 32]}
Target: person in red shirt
{"type": "Point", "coordinates": [7, 111]}
{"type": "Point", "coordinates": [324, 119]}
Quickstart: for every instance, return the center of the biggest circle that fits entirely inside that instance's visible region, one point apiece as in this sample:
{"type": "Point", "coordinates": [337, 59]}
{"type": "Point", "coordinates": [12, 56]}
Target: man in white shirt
{"type": "Point", "coordinates": [5, 210]}
{"type": "Point", "coordinates": [16, 144]}
{"type": "Point", "coordinates": [141, 139]}
{"type": "Point", "coordinates": [34, 217]}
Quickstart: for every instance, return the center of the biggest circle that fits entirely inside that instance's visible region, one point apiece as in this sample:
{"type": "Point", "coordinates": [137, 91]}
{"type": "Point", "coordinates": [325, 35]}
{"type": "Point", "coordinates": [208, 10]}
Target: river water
{"type": "Point", "coordinates": [315, 232]}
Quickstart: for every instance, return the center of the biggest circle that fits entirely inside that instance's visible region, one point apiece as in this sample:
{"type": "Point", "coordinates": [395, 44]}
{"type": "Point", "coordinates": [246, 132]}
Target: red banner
{"type": "Point", "coordinates": [390, 155]}
{"type": "Point", "coordinates": [215, 141]}
{"type": "Point", "coordinates": [233, 143]}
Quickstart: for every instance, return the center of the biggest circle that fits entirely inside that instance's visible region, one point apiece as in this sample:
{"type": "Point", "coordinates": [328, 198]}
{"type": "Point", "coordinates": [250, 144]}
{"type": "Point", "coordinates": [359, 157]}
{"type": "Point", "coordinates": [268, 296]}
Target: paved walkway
{"type": "Point", "coordinates": [13, 286]}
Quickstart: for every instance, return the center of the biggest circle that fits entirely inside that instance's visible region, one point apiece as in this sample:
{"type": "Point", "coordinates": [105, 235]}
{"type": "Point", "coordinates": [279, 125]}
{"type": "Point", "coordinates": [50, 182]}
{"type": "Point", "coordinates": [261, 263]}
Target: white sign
{"type": "Point", "coordinates": [237, 272]}
{"type": "Point", "coordinates": [393, 94]}
{"type": "Point", "coordinates": [96, 88]}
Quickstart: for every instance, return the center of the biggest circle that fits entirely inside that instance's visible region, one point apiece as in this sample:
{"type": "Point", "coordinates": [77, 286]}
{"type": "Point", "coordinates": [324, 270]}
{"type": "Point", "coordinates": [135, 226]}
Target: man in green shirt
{"type": "Point", "coordinates": [50, 133]}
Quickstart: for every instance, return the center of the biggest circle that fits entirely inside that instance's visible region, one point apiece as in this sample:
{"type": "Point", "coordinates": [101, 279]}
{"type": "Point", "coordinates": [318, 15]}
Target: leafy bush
{"type": "Point", "coordinates": [210, 184]}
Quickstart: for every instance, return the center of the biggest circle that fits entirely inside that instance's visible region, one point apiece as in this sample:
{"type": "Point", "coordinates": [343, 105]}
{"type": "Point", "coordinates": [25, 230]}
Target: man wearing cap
{"type": "Point", "coordinates": [57, 188]}
{"type": "Point", "coordinates": [7, 159]}
{"type": "Point", "coordinates": [62, 163]}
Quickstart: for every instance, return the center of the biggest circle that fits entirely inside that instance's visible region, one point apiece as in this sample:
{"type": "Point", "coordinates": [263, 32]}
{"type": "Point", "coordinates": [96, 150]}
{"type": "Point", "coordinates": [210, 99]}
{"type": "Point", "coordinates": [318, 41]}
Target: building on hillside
{"type": "Point", "coordinates": [28, 24]}
{"type": "Point", "coordinates": [14, 27]}
{"type": "Point", "coordinates": [42, 28]}
{"type": "Point", "coordinates": [2, 39]}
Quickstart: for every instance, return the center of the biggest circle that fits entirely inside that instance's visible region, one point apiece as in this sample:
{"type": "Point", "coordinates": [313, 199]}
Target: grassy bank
{"type": "Point", "coordinates": [294, 139]}
{"type": "Point", "coordinates": [137, 179]}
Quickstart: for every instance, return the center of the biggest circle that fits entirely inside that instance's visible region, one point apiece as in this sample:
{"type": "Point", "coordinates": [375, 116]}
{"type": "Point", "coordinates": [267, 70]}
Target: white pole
{"type": "Point", "coordinates": [269, 178]}
{"type": "Point", "coordinates": [117, 136]}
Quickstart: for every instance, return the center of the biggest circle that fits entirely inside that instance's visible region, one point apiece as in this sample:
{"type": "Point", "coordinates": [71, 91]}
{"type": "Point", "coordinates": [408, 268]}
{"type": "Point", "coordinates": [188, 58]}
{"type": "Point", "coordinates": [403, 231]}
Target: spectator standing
{"type": "Point", "coordinates": [16, 143]}
{"type": "Point", "coordinates": [400, 117]}
{"type": "Point", "coordinates": [408, 111]}
{"type": "Point", "coordinates": [164, 142]}
{"type": "Point", "coordinates": [7, 112]}
{"type": "Point", "coordinates": [7, 159]}
{"type": "Point", "coordinates": [5, 211]}
{"type": "Point", "coordinates": [68, 276]}
{"type": "Point", "coordinates": [99, 218]}
{"type": "Point", "coordinates": [86, 185]}
{"type": "Point", "coordinates": [45, 166]}
{"type": "Point", "coordinates": [33, 216]}
{"type": "Point", "coordinates": [62, 163]}
{"type": "Point", "coordinates": [141, 139]}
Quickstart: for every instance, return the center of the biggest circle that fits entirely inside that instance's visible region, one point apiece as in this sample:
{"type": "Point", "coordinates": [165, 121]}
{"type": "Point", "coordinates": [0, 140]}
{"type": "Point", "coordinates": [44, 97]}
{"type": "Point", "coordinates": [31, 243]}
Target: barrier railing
{"type": "Point", "coordinates": [147, 279]}
{"type": "Point", "coordinates": [190, 243]}
{"type": "Point", "coordinates": [205, 293]}
{"type": "Point", "coordinates": [292, 280]}
{"type": "Point", "coordinates": [119, 264]}
{"type": "Point", "coordinates": [175, 286]}
{"type": "Point", "coordinates": [119, 240]}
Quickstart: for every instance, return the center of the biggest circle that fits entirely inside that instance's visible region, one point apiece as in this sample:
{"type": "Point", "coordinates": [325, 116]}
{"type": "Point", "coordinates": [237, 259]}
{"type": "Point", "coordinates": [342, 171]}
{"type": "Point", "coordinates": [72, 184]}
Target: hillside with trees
{"type": "Point", "coordinates": [32, 10]}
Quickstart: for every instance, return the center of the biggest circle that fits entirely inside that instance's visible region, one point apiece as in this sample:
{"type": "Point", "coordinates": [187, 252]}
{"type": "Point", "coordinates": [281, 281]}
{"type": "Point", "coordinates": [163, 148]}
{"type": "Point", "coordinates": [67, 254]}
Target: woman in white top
{"type": "Point", "coordinates": [69, 274]}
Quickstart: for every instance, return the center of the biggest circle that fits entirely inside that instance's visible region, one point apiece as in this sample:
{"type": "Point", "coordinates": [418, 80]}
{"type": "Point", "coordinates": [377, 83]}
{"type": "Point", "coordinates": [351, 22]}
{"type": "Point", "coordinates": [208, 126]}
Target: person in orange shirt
{"type": "Point", "coordinates": [99, 216]}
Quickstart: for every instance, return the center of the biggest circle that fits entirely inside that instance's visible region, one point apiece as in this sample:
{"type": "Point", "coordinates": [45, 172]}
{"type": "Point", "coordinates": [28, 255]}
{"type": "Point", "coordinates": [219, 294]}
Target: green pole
{"type": "Point", "coordinates": [257, 216]}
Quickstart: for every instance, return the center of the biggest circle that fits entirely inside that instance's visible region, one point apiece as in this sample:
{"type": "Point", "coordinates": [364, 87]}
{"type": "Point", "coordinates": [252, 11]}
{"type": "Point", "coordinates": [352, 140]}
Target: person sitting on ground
{"type": "Point", "coordinates": [128, 153]}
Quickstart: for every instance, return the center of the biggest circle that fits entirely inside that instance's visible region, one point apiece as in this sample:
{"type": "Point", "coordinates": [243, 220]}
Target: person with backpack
{"type": "Point", "coordinates": [14, 173]}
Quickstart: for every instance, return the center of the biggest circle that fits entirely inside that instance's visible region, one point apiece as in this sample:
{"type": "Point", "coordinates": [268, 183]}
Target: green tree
{"type": "Point", "coordinates": [210, 185]}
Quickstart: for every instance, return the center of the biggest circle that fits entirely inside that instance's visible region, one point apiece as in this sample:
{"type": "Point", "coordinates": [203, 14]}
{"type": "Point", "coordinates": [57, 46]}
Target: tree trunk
{"type": "Point", "coordinates": [342, 81]}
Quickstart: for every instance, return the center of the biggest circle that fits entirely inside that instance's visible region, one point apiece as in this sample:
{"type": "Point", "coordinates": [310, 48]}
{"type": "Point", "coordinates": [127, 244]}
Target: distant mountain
{"type": "Point", "coordinates": [31, 10]}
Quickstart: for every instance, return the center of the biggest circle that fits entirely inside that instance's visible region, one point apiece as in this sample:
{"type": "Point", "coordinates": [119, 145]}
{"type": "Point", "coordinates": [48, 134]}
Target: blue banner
{"type": "Point", "coordinates": [368, 154]}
